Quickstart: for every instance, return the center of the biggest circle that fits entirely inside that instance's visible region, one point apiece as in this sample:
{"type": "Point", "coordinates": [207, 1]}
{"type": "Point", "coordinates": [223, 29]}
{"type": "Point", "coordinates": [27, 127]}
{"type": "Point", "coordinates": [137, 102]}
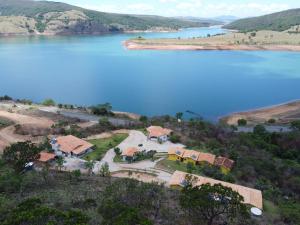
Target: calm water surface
{"type": "Point", "coordinates": [88, 70]}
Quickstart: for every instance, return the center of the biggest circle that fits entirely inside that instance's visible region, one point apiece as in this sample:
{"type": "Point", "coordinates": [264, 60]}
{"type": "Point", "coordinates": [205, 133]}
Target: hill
{"type": "Point", "coordinates": [277, 21]}
{"type": "Point", "coordinates": [24, 17]}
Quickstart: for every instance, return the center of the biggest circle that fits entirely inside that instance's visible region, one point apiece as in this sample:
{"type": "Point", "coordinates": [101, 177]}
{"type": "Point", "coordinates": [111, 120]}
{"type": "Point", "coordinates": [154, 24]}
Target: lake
{"type": "Point", "coordinates": [86, 70]}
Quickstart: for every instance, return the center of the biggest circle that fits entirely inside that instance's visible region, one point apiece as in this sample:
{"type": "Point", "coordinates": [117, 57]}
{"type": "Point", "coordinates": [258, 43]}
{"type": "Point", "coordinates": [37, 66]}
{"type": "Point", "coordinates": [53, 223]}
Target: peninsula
{"type": "Point", "coordinates": [260, 40]}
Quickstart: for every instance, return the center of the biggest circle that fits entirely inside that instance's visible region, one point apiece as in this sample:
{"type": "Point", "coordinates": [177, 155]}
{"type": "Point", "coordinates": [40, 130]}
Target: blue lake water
{"type": "Point", "coordinates": [87, 70]}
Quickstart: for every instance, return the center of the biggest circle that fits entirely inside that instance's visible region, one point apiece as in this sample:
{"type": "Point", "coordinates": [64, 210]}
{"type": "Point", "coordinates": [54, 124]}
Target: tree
{"type": "Point", "coordinates": [76, 174]}
{"type": "Point", "coordinates": [102, 109]}
{"type": "Point", "coordinates": [190, 167]}
{"type": "Point", "coordinates": [104, 170]}
{"type": "Point", "coordinates": [60, 161]}
{"type": "Point", "coordinates": [144, 119]}
{"type": "Point", "coordinates": [117, 151]}
{"type": "Point", "coordinates": [89, 165]}
{"type": "Point", "coordinates": [209, 203]}
{"type": "Point", "coordinates": [32, 211]}
{"type": "Point", "coordinates": [259, 130]}
{"type": "Point", "coordinates": [272, 121]}
{"type": "Point", "coordinates": [48, 102]}
{"type": "Point", "coordinates": [295, 125]}
{"type": "Point", "coordinates": [179, 115]}
{"type": "Point", "coordinates": [242, 122]}
{"type": "Point", "coordinates": [21, 153]}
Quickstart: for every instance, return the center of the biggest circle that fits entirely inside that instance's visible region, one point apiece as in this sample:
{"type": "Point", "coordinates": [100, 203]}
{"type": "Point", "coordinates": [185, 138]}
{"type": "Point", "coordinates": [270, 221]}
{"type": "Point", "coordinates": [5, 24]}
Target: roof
{"type": "Point", "coordinates": [176, 151]}
{"type": "Point", "coordinates": [46, 157]}
{"type": "Point", "coordinates": [73, 144]}
{"type": "Point", "coordinates": [191, 154]}
{"type": "Point", "coordinates": [251, 196]}
{"type": "Point", "coordinates": [156, 131]}
{"type": "Point", "coordinates": [225, 162]}
{"type": "Point", "coordinates": [206, 157]}
{"type": "Point", "coordinates": [130, 152]}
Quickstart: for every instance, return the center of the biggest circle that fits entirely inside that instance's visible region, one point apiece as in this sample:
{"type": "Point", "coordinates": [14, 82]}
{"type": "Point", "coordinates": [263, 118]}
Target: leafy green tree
{"type": "Point", "coordinates": [179, 115]}
{"type": "Point", "coordinates": [144, 119]}
{"type": "Point", "coordinates": [33, 212]}
{"type": "Point", "coordinates": [21, 153]}
{"type": "Point", "coordinates": [104, 170]}
{"type": "Point", "coordinates": [290, 212]}
{"type": "Point", "coordinates": [102, 109]}
{"type": "Point", "coordinates": [210, 203]}
{"type": "Point", "coordinates": [117, 151]}
{"type": "Point", "coordinates": [259, 130]}
{"type": "Point", "coordinates": [89, 165]}
{"type": "Point", "coordinates": [295, 125]}
{"type": "Point", "coordinates": [272, 121]}
{"type": "Point", "coordinates": [60, 161]}
{"type": "Point", "coordinates": [242, 122]}
{"type": "Point", "coordinates": [48, 102]}
{"type": "Point", "coordinates": [76, 174]}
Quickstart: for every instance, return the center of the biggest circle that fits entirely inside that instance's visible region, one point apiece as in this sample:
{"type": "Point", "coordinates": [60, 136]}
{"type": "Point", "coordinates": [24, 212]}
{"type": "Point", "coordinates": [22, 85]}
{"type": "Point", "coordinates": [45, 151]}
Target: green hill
{"type": "Point", "coordinates": [277, 21]}
{"type": "Point", "coordinates": [37, 17]}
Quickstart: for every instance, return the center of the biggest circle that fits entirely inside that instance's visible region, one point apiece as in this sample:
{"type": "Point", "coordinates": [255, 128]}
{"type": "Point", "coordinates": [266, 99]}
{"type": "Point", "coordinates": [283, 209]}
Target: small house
{"type": "Point", "coordinates": [129, 154]}
{"type": "Point", "coordinates": [224, 163]}
{"type": "Point", "coordinates": [70, 146]}
{"type": "Point", "coordinates": [158, 133]}
{"type": "Point", "coordinates": [206, 158]}
{"type": "Point", "coordinates": [45, 159]}
{"type": "Point", "coordinates": [176, 154]}
{"type": "Point", "coordinates": [190, 156]}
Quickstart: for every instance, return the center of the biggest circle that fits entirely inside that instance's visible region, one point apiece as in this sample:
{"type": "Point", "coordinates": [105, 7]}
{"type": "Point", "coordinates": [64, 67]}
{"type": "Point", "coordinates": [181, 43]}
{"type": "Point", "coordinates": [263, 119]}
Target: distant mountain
{"type": "Point", "coordinates": [277, 21]}
{"type": "Point", "coordinates": [226, 18]}
{"type": "Point", "coordinates": [25, 17]}
{"type": "Point", "coordinates": [209, 21]}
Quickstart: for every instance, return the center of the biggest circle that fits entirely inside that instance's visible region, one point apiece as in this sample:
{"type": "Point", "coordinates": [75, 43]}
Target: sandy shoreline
{"type": "Point", "coordinates": [131, 45]}
{"type": "Point", "coordinates": [282, 113]}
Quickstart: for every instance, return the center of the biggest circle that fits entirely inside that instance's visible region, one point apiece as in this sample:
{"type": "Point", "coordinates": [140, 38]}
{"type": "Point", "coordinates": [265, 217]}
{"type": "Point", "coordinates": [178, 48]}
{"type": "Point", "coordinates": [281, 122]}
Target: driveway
{"type": "Point", "coordinates": [137, 137]}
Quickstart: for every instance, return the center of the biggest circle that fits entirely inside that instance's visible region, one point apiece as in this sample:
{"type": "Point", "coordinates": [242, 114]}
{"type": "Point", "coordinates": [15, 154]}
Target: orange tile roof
{"type": "Point", "coordinates": [206, 157]}
{"type": "Point", "coordinates": [73, 144]}
{"type": "Point", "coordinates": [191, 154]}
{"type": "Point", "coordinates": [130, 152]}
{"type": "Point", "coordinates": [176, 151]}
{"type": "Point", "coordinates": [45, 157]}
{"type": "Point", "coordinates": [251, 196]}
{"type": "Point", "coordinates": [225, 162]}
{"type": "Point", "coordinates": [156, 131]}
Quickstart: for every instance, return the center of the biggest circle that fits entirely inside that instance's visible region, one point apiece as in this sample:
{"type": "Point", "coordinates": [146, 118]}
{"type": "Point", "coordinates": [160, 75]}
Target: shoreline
{"type": "Point", "coordinates": [131, 45]}
{"type": "Point", "coordinates": [284, 113]}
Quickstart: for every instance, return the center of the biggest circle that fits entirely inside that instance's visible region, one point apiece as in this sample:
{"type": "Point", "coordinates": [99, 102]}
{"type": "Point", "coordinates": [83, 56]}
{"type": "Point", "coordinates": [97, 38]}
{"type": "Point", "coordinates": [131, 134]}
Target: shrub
{"type": "Point", "coordinates": [48, 102]}
{"type": "Point", "coordinates": [242, 122]}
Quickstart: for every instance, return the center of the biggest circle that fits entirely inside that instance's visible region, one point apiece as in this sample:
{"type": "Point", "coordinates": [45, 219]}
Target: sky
{"type": "Point", "coordinates": [196, 8]}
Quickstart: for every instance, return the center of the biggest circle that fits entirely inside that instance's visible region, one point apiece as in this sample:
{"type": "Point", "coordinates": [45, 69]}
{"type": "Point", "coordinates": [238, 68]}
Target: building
{"type": "Point", "coordinates": [70, 146]}
{"type": "Point", "coordinates": [176, 154]}
{"type": "Point", "coordinates": [45, 159]}
{"type": "Point", "coordinates": [158, 133]}
{"type": "Point", "coordinates": [224, 163]}
{"type": "Point", "coordinates": [129, 154]}
{"type": "Point", "coordinates": [206, 158]}
{"type": "Point", "coordinates": [251, 196]}
{"type": "Point", "coordinates": [186, 156]}
{"type": "Point", "coordinates": [190, 156]}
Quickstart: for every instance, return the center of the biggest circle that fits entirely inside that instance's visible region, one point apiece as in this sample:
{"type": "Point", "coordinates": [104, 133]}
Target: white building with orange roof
{"type": "Point", "coordinates": [206, 158]}
{"type": "Point", "coordinates": [70, 146]}
{"type": "Point", "coordinates": [190, 156]}
{"type": "Point", "coordinates": [129, 154]}
{"type": "Point", "coordinates": [45, 158]}
{"type": "Point", "coordinates": [158, 133]}
{"type": "Point", "coordinates": [251, 196]}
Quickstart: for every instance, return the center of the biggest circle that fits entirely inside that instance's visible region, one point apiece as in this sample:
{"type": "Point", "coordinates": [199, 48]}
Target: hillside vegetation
{"type": "Point", "coordinates": [277, 21]}
{"type": "Point", "coordinates": [44, 17]}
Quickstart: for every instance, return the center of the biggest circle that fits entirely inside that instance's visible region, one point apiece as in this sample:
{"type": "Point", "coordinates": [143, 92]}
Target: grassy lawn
{"type": "Point", "coordinates": [172, 166]}
{"type": "Point", "coordinates": [103, 145]}
{"type": "Point", "coordinates": [271, 209]}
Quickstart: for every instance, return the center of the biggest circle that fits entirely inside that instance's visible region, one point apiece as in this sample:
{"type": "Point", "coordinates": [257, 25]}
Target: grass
{"type": "Point", "coordinates": [103, 145]}
{"type": "Point", "coordinates": [172, 166]}
{"type": "Point", "coordinates": [271, 209]}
